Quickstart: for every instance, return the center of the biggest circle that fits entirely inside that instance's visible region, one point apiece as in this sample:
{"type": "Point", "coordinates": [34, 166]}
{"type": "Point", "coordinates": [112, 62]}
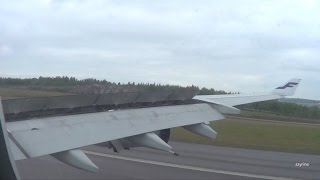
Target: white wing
{"type": "Point", "coordinates": [233, 100]}
{"type": "Point", "coordinates": [50, 135]}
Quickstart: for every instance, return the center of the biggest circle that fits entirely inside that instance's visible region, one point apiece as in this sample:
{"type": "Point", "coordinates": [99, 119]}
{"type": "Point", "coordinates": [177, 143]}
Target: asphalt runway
{"type": "Point", "coordinates": [195, 162]}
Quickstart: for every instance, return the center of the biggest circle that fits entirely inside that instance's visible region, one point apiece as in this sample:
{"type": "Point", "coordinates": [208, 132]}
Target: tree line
{"type": "Point", "coordinates": [72, 84]}
{"type": "Point", "coordinates": [49, 81]}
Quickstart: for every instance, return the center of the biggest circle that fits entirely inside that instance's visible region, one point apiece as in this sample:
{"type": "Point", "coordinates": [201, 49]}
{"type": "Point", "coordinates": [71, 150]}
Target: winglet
{"type": "Point", "coordinates": [287, 89]}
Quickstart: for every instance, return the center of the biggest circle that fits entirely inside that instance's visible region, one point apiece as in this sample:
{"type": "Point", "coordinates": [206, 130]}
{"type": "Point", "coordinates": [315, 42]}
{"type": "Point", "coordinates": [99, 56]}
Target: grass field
{"type": "Point", "coordinates": [280, 136]}
{"type": "Point", "coordinates": [7, 93]}
{"type": "Point", "coordinates": [273, 116]}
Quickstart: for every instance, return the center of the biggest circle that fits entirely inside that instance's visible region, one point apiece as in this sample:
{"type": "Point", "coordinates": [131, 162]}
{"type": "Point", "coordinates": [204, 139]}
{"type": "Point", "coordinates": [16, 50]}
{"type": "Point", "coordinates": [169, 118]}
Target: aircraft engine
{"type": "Point", "coordinates": [155, 140]}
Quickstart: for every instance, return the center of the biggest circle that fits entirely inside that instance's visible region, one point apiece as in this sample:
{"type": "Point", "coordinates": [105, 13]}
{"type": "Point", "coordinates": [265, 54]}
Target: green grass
{"type": "Point", "coordinates": [273, 116]}
{"type": "Point", "coordinates": [259, 135]}
{"type": "Point", "coordinates": [7, 93]}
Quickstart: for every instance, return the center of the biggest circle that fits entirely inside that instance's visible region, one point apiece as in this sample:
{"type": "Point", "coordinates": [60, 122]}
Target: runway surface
{"type": "Point", "coordinates": [195, 162]}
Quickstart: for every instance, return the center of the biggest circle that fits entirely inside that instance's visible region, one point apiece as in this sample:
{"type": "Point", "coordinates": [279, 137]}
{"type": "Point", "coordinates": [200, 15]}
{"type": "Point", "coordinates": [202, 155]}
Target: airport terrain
{"type": "Point", "coordinates": [195, 162]}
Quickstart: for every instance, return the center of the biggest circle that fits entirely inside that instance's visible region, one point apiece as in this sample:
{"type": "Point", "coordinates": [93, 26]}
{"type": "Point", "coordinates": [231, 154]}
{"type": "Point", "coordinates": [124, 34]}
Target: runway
{"type": "Point", "coordinates": [195, 162]}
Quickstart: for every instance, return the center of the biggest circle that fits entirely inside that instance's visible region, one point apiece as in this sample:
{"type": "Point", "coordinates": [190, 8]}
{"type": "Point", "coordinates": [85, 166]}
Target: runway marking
{"type": "Point", "coordinates": [187, 167]}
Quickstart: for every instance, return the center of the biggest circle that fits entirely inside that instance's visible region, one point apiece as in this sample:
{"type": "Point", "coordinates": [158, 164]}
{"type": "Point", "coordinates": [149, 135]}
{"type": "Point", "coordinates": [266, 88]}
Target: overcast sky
{"type": "Point", "coordinates": [246, 46]}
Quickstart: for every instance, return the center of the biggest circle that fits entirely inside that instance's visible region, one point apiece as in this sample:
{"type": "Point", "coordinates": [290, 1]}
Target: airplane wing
{"type": "Point", "coordinates": [287, 89]}
{"type": "Point", "coordinates": [62, 135]}
{"type": "Point", "coordinates": [42, 136]}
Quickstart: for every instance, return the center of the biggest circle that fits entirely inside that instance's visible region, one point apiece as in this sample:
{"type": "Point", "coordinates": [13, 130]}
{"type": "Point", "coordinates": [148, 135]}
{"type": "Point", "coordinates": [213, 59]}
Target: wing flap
{"type": "Point", "coordinates": [51, 135]}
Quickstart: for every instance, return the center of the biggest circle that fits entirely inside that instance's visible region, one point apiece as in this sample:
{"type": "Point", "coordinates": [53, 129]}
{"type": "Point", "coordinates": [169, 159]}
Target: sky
{"type": "Point", "coordinates": [247, 46]}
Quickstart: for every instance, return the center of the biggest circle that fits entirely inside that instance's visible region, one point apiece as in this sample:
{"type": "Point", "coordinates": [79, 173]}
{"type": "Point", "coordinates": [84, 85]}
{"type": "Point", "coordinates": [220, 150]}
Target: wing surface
{"type": "Point", "coordinates": [287, 89]}
{"type": "Point", "coordinates": [38, 137]}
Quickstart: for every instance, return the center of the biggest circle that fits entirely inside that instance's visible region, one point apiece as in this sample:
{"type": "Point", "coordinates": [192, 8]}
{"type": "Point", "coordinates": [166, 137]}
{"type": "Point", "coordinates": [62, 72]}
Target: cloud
{"type": "Point", "coordinates": [5, 50]}
{"type": "Point", "coordinates": [237, 46]}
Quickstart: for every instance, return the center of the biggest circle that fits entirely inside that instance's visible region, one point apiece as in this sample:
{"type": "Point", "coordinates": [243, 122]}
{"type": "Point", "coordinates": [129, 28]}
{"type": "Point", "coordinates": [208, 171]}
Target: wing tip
{"type": "Point", "coordinates": [287, 89]}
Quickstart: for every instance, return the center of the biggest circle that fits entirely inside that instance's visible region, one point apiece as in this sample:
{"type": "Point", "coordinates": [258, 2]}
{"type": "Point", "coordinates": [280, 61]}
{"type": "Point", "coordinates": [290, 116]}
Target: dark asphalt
{"type": "Point", "coordinates": [229, 160]}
